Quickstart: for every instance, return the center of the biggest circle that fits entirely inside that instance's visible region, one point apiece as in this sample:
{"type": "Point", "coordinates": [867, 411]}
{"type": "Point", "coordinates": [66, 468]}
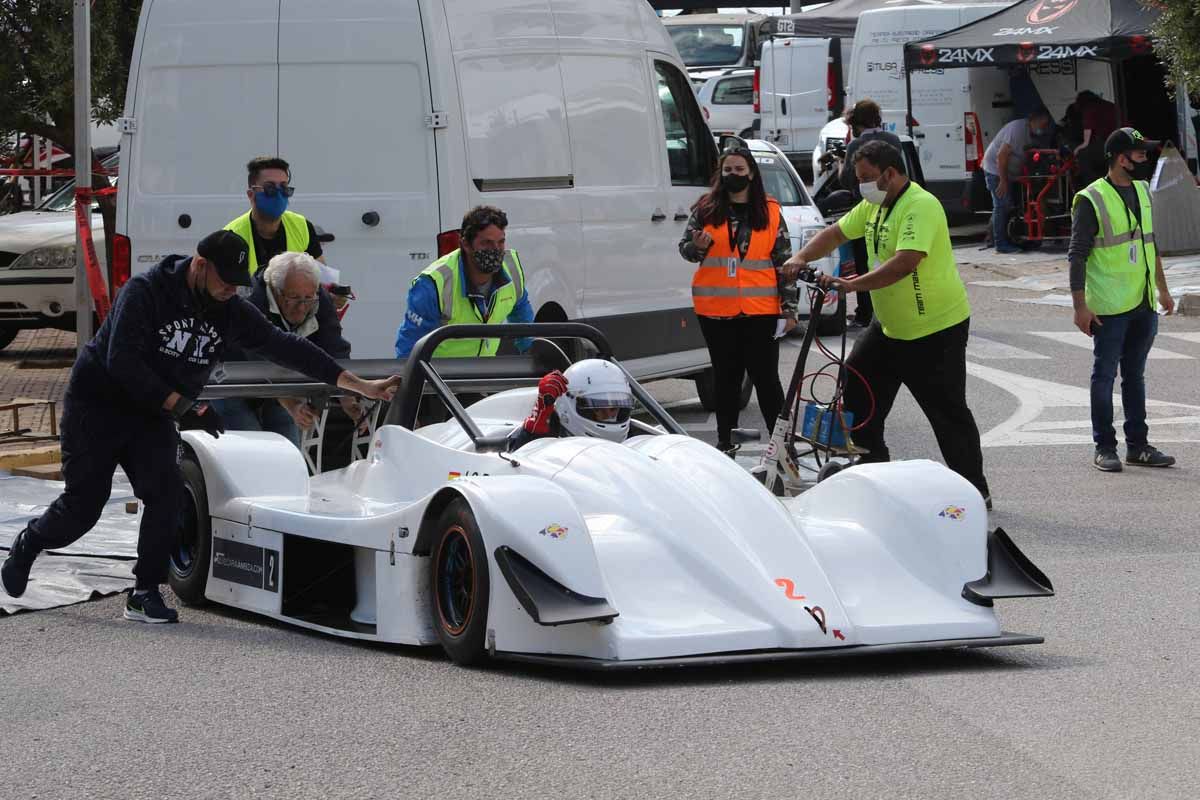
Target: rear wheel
{"type": "Point", "coordinates": [461, 586]}
{"type": "Point", "coordinates": [192, 549]}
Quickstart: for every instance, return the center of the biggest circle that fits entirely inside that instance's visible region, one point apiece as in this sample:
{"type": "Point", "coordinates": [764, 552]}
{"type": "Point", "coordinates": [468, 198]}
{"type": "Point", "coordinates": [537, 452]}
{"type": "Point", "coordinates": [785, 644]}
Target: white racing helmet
{"type": "Point", "coordinates": [598, 402]}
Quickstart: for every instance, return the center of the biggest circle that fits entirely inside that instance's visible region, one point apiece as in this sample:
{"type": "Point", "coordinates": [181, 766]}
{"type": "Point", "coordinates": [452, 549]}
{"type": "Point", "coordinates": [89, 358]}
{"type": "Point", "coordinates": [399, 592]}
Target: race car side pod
{"type": "Point", "coordinates": [1010, 573]}
{"type": "Point", "coordinates": [545, 599]}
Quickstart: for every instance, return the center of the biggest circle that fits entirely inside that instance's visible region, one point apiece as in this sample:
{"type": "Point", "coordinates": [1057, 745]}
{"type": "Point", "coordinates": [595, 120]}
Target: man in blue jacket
{"type": "Point", "coordinates": [135, 383]}
{"type": "Point", "coordinates": [482, 282]}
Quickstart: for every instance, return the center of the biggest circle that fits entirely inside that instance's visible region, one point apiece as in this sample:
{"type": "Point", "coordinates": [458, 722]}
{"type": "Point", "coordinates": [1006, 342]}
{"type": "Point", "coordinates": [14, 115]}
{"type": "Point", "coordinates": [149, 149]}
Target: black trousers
{"type": "Point", "coordinates": [96, 438]}
{"type": "Point", "coordinates": [862, 265]}
{"type": "Point", "coordinates": [934, 368]}
{"type": "Point", "coordinates": [738, 345]}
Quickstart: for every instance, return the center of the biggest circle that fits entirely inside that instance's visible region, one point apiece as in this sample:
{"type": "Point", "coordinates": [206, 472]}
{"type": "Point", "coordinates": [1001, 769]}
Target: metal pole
{"type": "Point", "coordinates": [37, 164]}
{"type": "Point", "coordinates": [83, 161]}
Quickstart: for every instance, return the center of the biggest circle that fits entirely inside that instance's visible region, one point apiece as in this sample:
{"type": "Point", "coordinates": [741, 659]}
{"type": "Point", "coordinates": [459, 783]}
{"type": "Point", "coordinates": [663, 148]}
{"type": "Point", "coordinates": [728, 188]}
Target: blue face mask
{"type": "Point", "coordinates": [271, 207]}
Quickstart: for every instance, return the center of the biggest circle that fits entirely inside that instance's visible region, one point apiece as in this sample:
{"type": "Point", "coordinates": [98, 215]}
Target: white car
{"type": "Point", "coordinates": [582, 551]}
{"type": "Point", "coordinates": [804, 221]}
{"type": "Point", "coordinates": [37, 264]}
{"type": "Point", "coordinates": [727, 103]}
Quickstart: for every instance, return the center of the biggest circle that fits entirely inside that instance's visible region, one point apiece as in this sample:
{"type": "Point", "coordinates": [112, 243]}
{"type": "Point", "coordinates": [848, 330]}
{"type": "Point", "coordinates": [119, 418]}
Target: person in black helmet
{"type": "Point", "coordinates": [136, 382]}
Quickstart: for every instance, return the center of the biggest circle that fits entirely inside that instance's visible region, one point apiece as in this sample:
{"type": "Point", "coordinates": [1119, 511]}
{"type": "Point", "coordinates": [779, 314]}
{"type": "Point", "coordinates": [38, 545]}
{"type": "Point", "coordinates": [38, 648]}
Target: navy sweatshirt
{"type": "Point", "coordinates": [327, 336]}
{"type": "Point", "coordinates": [155, 342]}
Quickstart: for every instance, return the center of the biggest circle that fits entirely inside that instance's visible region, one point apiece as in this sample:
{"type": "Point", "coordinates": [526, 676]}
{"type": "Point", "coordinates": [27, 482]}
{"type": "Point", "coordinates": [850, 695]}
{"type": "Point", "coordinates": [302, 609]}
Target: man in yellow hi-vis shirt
{"type": "Point", "coordinates": [1116, 280]}
{"type": "Point", "coordinates": [919, 337]}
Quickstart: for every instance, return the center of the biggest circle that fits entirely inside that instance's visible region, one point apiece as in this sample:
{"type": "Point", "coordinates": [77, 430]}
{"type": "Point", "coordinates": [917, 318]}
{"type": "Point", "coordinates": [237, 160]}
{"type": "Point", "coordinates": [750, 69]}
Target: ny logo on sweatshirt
{"type": "Point", "coordinates": [190, 338]}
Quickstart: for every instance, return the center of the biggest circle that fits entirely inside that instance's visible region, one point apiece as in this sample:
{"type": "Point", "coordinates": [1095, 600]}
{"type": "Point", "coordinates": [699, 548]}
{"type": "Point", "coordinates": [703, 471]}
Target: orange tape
{"type": "Point", "coordinates": [83, 221]}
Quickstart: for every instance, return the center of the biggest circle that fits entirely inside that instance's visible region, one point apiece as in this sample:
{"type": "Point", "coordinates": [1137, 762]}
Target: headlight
{"type": "Point", "coordinates": [55, 257]}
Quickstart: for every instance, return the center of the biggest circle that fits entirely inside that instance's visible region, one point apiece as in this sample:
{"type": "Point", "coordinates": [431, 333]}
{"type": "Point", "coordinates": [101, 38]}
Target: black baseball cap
{"type": "Point", "coordinates": [1125, 140]}
{"type": "Point", "coordinates": [229, 254]}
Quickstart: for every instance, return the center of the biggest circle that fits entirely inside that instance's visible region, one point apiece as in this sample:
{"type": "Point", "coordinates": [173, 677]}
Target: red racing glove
{"type": "Point", "coordinates": [552, 386]}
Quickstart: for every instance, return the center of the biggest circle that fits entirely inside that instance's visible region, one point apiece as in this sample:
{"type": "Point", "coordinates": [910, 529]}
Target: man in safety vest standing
{"type": "Point", "coordinates": [268, 228]}
{"type": "Point", "coordinates": [480, 283]}
{"type": "Point", "coordinates": [919, 336]}
{"type": "Point", "coordinates": [1116, 278]}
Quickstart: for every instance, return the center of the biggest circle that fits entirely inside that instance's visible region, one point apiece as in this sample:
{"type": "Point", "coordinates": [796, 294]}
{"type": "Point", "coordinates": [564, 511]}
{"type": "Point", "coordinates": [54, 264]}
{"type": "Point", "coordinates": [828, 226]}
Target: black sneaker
{"type": "Point", "coordinates": [15, 572]}
{"type": "Point", "coordinates": [1147, 456]}
{"type": "Point", "coordinates": [1106, 460]}
{"type": "Point", "coordinates": [149, 607]}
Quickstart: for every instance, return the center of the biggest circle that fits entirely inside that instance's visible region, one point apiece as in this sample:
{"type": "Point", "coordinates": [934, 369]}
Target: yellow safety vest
{"type": "Point", "coordinates": [458, 309]}
{"type": "Point", "coordinates": [295, 229]}
{"type": "Point", "coordinates": [1122, 263]}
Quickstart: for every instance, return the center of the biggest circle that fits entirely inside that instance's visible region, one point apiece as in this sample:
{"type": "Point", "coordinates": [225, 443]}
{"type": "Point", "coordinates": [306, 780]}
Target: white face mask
{"type": "Point", "coordinates": [872, 193]}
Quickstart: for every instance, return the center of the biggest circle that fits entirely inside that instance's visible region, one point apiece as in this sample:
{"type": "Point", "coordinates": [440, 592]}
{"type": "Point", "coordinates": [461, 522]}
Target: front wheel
{"type": "Point", "coordinates": [461, 586]}
{"type": "Point", "coordinates": [192, 549]}
{"type": "Point", "coordinates": [706, 390]}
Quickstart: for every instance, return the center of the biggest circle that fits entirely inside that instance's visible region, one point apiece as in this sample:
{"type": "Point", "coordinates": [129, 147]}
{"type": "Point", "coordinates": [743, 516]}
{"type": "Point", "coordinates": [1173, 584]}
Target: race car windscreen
{"type": "Point", "coordinates": [779, 183]}
{"type": "Point", "coordinates": [708, 45]}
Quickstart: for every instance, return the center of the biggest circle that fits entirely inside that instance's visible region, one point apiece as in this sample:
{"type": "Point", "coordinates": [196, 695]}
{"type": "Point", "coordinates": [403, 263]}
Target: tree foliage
{"type": "Point", "coordinates": [1177, 39]}
{"type": "Point", "coordinates": [37, 67]}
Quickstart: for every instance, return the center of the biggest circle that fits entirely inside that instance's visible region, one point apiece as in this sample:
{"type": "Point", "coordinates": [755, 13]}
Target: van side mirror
{"type": "Point", "coordinates": [728, 140]}
{"type": "Point", "coordinates": [837, 202]}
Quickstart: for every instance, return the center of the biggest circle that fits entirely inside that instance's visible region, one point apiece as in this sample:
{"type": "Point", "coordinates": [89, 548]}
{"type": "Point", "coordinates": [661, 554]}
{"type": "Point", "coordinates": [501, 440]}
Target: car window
{"type": "Point", "coordinates": [708, 45]}
{"type": "Point", "coordinates": [64, 198]}
{"type": "Point", "coordinates": [691, 153]}
{"type": "Point", "coordinates": [780, 183]}
{"type": "Point", "coordinates": [737, 91]}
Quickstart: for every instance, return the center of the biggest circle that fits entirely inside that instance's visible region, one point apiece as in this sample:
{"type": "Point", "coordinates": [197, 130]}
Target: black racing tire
{"type": "Point", "coordinates": [458, 575]}
{"type": "Point", "coordinates": [706, 390]}
{"type": "Point", "coordinates": [7, 335]}
{"type": "Point", "coordinates": [191, 550]}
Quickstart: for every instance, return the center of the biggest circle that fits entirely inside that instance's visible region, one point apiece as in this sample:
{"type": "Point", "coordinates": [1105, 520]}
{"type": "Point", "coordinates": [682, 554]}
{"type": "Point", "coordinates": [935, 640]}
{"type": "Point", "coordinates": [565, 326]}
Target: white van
{"type": "Point", "coordinates": [399, 115]}
{"type": "Point", "coordinates": [800, 84]}
{"type": "Point", "coordinates": [956, 112]}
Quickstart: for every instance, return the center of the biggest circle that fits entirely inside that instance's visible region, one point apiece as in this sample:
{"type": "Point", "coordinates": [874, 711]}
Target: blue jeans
{"type": "Point", "coordinates": [258, 415]}
{"type": "Point", "coordinates": [1123, 339]}
{"type": "Point", "coordinates": [1001, 209]}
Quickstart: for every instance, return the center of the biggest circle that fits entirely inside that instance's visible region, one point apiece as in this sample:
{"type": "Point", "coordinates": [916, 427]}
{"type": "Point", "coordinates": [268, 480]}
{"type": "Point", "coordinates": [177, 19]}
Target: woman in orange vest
{"type": "Point", "coordinates": [740, 240]}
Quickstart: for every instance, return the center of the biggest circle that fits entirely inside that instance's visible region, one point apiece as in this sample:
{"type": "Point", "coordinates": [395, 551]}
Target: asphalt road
{"type": "Point", "coordinates": [229, 705]}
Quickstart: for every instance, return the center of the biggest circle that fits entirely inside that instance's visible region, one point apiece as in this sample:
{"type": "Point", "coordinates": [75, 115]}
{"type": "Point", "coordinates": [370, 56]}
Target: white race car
{"type": "Point", "coordinates": [657, 551]}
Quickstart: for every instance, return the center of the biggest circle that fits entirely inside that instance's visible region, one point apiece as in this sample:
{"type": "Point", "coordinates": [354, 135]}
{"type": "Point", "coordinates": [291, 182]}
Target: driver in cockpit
{"type": "Point", "coordinates": [592, 398]}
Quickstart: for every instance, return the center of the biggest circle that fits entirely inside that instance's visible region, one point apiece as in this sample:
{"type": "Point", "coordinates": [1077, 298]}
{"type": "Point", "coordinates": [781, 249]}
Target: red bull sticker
{"type": "Point", "coordinates": [554, 531]}
{"type": "Point", "coordinates": [953, 512]}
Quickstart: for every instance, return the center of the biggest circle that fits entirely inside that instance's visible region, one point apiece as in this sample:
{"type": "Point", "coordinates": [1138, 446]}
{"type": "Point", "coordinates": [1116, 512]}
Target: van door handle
{"type": "Point", "coordinates": [681, 216]}
{"type": "Point", "coordinates": [783, 106]}
{"type": "Point", "coordinates": [658, 216]}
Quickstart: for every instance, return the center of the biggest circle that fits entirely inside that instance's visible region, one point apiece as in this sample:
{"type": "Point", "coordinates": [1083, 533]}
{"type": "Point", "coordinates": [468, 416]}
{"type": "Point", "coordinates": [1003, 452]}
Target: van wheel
{"type": "Point", "coordinates": [706, 389]}
{"type": "Point", "coordinates": [459, 577]}
{"type": "Point", "coordinates": [7, 335]}
{"type": "Point", "coordinates": [192, 550]}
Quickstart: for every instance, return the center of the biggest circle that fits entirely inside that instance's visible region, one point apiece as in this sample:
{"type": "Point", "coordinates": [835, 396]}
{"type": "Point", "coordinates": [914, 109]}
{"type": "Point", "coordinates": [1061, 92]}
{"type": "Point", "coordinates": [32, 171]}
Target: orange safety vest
{"type": "Point", "coordinates": [726, 285]}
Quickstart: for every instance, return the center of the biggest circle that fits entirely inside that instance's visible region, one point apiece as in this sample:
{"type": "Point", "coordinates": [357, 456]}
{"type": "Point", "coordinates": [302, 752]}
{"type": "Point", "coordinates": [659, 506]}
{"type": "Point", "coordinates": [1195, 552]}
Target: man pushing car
{"type": "Point", "coordinates": [136, 382]}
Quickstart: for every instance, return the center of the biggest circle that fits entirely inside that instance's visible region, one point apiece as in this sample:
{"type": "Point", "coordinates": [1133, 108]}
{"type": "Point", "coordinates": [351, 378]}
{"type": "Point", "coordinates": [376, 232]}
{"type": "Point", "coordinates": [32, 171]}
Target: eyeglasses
{"type": "Point", "coordinates": [271, 188]}
{"type": "Point", "coordinates": [300, 299]}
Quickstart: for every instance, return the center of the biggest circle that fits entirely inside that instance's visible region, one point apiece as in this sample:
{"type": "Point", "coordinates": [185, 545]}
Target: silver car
{"type": "Point", "coordinates": [37, 263]}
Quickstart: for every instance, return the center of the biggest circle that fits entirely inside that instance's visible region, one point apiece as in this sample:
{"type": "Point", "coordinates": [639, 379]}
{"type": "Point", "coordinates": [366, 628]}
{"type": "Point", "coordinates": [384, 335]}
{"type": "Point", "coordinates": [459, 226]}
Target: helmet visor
{"type": "Point", "coordinates": [606, 408]}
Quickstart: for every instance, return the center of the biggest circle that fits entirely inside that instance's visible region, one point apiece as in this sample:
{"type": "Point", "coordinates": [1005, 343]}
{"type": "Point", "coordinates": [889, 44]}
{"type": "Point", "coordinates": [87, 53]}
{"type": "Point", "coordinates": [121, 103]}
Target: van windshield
{"type": "Point", "coordinates": [708, 45]}
{"type": "Point", "coordinates": [779, 183]}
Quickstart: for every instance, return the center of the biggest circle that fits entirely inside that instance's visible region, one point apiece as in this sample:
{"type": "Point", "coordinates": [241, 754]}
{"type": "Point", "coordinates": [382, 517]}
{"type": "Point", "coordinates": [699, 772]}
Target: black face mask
{"type": "Point", "coordinates": [1140, 170]}
{"type": "Point", "coordinates": [734, 183]}
{"type": "Point", "coordinates": [488, 261]}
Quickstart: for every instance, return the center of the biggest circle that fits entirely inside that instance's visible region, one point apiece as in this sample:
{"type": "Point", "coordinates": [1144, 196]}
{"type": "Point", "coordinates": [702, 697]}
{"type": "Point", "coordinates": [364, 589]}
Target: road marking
{"type": "Point", "coordinates": [1194, 338]}
{"type": "Point", "coordinates": [980, 347]}
{"type": "Point", "coordinates": [1080, 339]}
{"type": "Point", "coordinates": [1180, 422]}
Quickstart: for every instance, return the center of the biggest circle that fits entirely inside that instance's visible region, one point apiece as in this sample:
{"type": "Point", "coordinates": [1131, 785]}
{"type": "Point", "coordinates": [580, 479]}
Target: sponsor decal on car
{"type": "Point", "coordinates": [953, 512]}
{"type": "Point", "coordinates": [789, 588]}
{"type": "Point", "coordinates": [245, 564]}
{"type": "Point", "coordinates": [1046, 30]}
{"type": "Point", "coordinates": [816, 612]}
{"type": "Point", "coordinates": [554, 531]}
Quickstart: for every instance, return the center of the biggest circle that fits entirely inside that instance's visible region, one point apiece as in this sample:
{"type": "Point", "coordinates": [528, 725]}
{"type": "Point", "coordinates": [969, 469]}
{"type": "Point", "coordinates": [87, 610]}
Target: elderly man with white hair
{"type": "Point", "coordinates": [289, 294]}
